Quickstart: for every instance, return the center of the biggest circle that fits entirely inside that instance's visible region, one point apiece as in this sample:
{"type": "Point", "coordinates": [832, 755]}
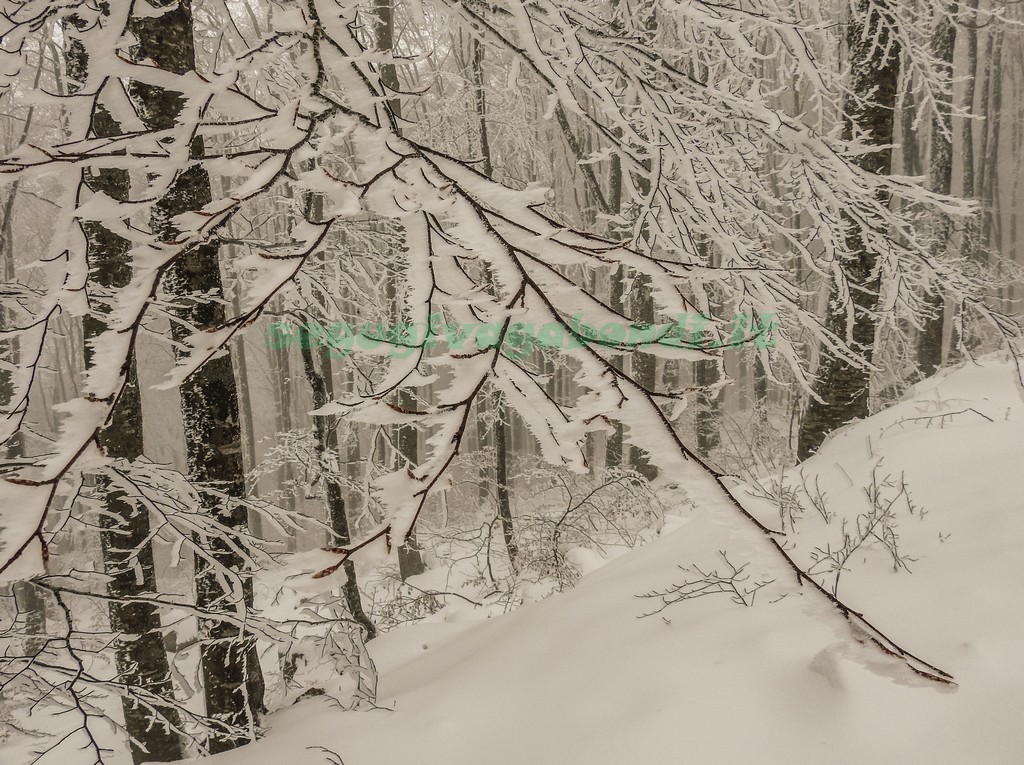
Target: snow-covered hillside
{"type": "Point", "coordinates": [581, 678]}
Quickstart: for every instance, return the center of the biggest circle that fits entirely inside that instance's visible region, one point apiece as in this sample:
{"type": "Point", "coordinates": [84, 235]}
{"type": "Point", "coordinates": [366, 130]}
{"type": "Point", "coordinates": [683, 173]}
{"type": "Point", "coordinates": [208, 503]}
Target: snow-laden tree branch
{"type": "Point", "coordinates": [692, 132]}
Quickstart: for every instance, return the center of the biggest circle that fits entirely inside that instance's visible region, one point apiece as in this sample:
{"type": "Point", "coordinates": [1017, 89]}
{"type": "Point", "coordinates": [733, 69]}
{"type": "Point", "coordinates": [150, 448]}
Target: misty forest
{"type": "Point", "coordinates": [520, 382]}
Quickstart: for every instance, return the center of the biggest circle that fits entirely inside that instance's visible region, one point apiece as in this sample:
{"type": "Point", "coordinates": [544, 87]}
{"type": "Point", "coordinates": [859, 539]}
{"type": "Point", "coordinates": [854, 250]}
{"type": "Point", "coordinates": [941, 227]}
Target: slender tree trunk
{"type": "Point", "coordinates": [760, 391]}
{"type": "Point", "coordinates": [247, 423]}
{"type": "Point", "coordinates": [321, 382]}
{"type": "Point", "coordinates": [500, 407]}
{"type": "Point", "coordinates": [617, 301]}
{"type": "Point", "coordinates": [970, 76]}
{"type": "Point", "coordinates": [125, 541]}
{"type": "Point", "coordinates": [989, 184]}
{"type": "Point", "coordinates": [1016, 147]}
{"type": "Point", "coordinates": [232, 680]}
{"type": "Point", "coordinates": [615, 440]}
{"type": "Point", "coordinates": [705, 374]}
{"type": "Point", "coordinates": [968, 167]}
{"type": "Point", "coordinates": [707, 419]}
{"type": "Point", "coordinates": [940, 177]}
{"type": "Point", "coordinates": [644, 367]}
{"type": "Point", "coordinates": [325, 427]}
{"type": "Point", "coordinates": [279, 357]}
{"type": "Point", "coordinates": [988, 84]}
{"type": "Point", "coordinates": [485, 432]}
{"type": "Point", "coordinates": [410, 556]}
{"type": "Point", "coordinates": [842, 387]}
{"type": "Point", "coordinates": [910, 148]}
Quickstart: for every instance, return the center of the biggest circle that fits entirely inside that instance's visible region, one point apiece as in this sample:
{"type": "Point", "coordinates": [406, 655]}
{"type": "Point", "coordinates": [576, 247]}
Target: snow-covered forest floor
{"type": "Point", "coordinates": [583, 677]}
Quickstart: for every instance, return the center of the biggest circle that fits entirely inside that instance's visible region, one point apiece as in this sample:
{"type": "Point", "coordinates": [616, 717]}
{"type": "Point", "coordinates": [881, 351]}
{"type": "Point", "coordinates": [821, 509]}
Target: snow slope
{"type": "Point", "coordinates": [579, 678]}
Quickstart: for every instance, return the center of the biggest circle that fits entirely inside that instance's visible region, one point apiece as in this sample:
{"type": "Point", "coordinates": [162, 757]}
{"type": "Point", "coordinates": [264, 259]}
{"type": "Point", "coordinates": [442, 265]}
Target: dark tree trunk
{"type": "Point", "coordinates": [644, 367]}
{"type": "Point", "coordinates": [760, 391]}
{"type": "Point", "coordinates": [940, 176]}
{"type": "Point", "coordinates": [970, 76]}
{"type": "Point", "coordinates": [410, 557]}
{"type": "Point", "coordinates": [500, 408]}
{"type": "Point", "coordinates": [472, 68]}
{"type": "Point", "coordinates": [232, 680]}
{"type": "Point", "coordinates": [991, 235]}
{"type": "Point", "coordinates": [279, 356]}
{"type": "Point", "coordinates": [842, 387]}
{"type": "Point", "coordinates": [968, 159]}
{"type": "Point", "coordinates": [247, 423]}
{"type": "Point", "coordinates": [706, 417]}
{"type": "Point", "coordinates": [125, 526]}
{"type": "Point", "coordinates": [706, 374]}
{"type": "Point", "coordinates": [321, 382]}
{"type": "Point", "coordinates": [910, 148]}
{"type": "Point", "coordinates": [617, 302]}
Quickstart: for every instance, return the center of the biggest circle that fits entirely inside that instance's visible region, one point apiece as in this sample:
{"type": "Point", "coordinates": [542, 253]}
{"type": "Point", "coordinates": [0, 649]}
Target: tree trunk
{"type": "Point", "coordinates": [910, 149]}
{"type": "Point", "coordinates": [125, 541]}
{"type": "Point", "coordinates": [501, 411]}
{"type": "Point", "coordinates": [940, 177]}
{"type": "Point", "coordinates": [706, 420]}
{"type": "Point", "coordinates": [991, 238]}
{"type": "Point", "coordinates": [280, 360]}
{"type": "Point", "coordinates": [760, 392]}
{"type": "Point", "coordinates": [989, 82]}
{"type": "Point", "coordinates": [706, 374]}
{"type": "Point", "coordinates": [617, 302]}
{"type": "Point", "coordinates": [970, 76]}
{"type": "Point", "coordinates": [842, 387]}
{"type": "Point", "coordinates": [246, 423]}
{"type": "Point", "coordinates": [644, 367]}
{"type": "Point", "coordinates": [232, 680]}
{"type": "Point", "coordinates": [321, 382]}
{"type": "Point", "coordinates": [410, 557]}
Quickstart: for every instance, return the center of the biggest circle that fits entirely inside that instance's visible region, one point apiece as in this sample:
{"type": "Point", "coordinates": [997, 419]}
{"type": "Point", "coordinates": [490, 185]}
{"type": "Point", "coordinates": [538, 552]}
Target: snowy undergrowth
{"type": "Point", "coordinates": [563, 527]}
{"type": "Point", "coordinates": [581, 677]}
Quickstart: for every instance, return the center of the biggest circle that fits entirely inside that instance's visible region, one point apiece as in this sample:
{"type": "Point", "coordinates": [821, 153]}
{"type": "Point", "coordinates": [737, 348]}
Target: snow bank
{"type": "Point", "coordinates": [582, 678]}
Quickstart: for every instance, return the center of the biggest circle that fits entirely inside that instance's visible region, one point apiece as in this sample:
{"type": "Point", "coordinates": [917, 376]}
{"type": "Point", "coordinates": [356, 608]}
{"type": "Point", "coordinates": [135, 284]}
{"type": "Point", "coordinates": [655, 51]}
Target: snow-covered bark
{"type": "Point", "coordinates": [842, 387]}
{"type": "Point", "coordinates": [406, 437]}
{"type": "Point", "coordinates": [940, 179]}
{"type": "Point", "coordinates": [232, 678]}
{"type": "Point", "coordinates": [499, 411]}
{"type": "Point", "coordinates": [321, 381]}
{"type": "Point", "coordinates": [126, 531]}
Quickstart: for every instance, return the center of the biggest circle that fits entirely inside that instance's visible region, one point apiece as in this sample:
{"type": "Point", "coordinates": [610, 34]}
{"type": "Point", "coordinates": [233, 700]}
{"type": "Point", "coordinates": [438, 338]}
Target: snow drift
{"type": "Point", "coordinates": [584, 677]}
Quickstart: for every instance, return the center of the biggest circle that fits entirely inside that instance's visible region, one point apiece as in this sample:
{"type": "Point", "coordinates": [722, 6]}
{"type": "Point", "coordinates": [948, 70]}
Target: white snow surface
{"type": "Point", "coordinates": [580, 678]}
